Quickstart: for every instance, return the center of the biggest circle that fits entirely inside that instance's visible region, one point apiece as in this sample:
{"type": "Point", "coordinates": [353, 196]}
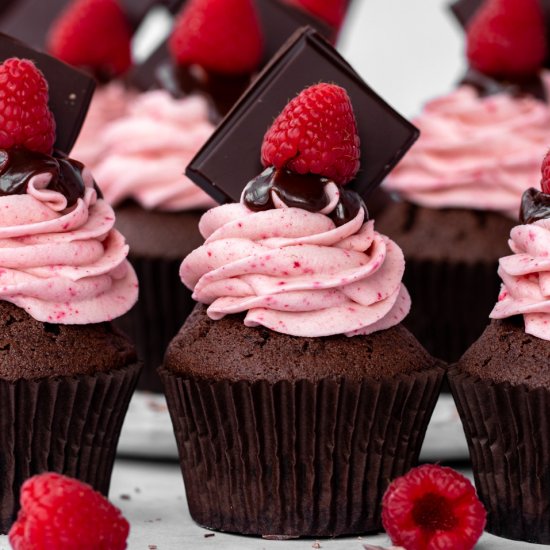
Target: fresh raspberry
{"type": "Point", "coordinates": [59, 512]}
{"type": "Point", "coordinates": [315, 133]}
{"type": "Point", "coordinates": [506, 38]}
{"type": "Point", "coordinates": [330, 11]}
{"type": "Point", "coordinates": [25, 118]}
{"type": "Point", "coordinates": [93, 34]}
{"type": "Point", "coordinates": [433, 508]}
{"type": "Point", "coordinates": [545, 169]}
{"type": "Point", "coordinates": [221, 36]}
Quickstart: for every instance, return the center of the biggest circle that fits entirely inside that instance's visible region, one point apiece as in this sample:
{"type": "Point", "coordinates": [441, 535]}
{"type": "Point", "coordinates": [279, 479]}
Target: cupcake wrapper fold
{"type": "Point", "coordinates": [69, 425]}
{"type": "Point", "coordinates": [451, 304]}
{"type": "Point", "coordinates": [301, 458]}
{"type": "Point", "coordinates": [507, 431]}
{"type": "Point", "coordinates": [163, 305]}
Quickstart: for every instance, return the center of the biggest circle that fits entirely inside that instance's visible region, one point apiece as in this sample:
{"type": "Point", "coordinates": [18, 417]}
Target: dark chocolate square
{"type": "Point", "coordinates": [464, 10]}
{"type": "Point", "coordinates": [70, 89]}
{"type": "Point", "coordinates": [231, 157]}
{"type": "Point", "coordinates": [30, 20]}
{"type": "Point", "coordinates": [279, 21]}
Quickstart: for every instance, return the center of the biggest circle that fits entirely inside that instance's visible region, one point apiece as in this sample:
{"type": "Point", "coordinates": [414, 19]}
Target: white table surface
{"type": "Point", "coordinates": [408, 51]}
{"type": "Point", "coordinates": [157, 511]}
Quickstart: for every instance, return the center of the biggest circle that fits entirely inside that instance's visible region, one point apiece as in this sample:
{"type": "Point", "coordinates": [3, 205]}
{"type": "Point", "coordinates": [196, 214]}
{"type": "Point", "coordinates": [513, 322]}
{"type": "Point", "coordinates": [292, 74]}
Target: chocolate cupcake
{"type": "Point", "coordinates": [140, 172]}
{"type": "Point", "coordinates": [459, 187]}
{"type": "Point", "coordinates": [297, 396]}
{"type": "Point", "coordinates": [501, 386]}
{"type": "Point", "coordinates": [66, 375]}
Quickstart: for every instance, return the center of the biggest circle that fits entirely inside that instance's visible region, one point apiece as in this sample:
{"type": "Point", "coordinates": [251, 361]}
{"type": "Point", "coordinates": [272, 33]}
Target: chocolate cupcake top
{"type": "Point", "coordinates": [526, 273]}
{"type": "Point", "coordinates": [60, 259]}
{"type": "Point", "coordinates": [297, 253]}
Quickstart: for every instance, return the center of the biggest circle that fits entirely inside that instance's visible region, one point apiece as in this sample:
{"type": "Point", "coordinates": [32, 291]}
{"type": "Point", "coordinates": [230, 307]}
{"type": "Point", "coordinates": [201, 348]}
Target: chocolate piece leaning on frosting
{"type": "Point", "coordinates": [68, 102]}
{"type": "Point", "coordinates": [306, 59]}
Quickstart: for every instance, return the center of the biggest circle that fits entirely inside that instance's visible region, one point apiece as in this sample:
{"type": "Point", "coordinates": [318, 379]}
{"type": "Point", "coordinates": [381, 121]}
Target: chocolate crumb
{"type": "Point", "coordinates": [207, 535]}
{"type": "Point", "coordinates": [152, 547]}
{"type": "Point", "coordinates": [124, 497]}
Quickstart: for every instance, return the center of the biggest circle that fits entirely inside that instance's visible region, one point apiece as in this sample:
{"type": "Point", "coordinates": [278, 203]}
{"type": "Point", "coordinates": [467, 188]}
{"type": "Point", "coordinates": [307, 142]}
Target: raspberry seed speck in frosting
{"type": "Point", "coordinates": [60, 258]}
{"type": "Point", "coordinates": [526, 274]}
{"type": "Point", "coordinates": [298, 254]}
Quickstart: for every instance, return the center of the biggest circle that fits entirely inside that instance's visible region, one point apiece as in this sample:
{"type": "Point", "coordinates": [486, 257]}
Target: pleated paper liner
{"type": "Point", "coordinates": [508, 432]}
{"type": "Point", "coordinates": [163, 305]}
{"type": "Point", "coordinates": [69, 425]}
{"type": "Point", "coordinates": [451, 303]}
{"type": "Point", "coordinates": [291, 459]}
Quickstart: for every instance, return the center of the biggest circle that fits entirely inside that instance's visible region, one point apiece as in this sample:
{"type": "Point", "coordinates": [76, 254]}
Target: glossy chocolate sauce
{"type": "Point", "coordinates": [486, 86]}
{"type": "Point", "coordinates": [300, 191]}
{"type": "Point", "coordinates": [19, 165]}
{"type": "Point", "coordinates": [535, 206]}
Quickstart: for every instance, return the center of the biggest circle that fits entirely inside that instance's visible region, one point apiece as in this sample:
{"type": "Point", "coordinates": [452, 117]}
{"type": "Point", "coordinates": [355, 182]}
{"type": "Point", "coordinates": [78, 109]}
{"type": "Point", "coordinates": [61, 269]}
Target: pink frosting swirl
{"type": "Point", "coordinates": [474, 152]}
{"type": "Point", "coordinates": [526, 279]}
{"type": "Point", "coordinates": [109, 102]}
{"type": "Point", "coordinates": [145, 153]}
{"type": "Point", "coordinates": [65, 266]}
{"type": "Point", "coordinates": [295, 272]}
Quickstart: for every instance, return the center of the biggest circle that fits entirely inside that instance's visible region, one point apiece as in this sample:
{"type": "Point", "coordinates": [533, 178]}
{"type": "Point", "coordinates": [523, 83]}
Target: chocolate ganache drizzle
{"type": "Point", "coordinates": [306, 191]}
{"type": "Point", "coordinates": [535, 206]}
{"type": "Point", "coordinates": [19, 165]}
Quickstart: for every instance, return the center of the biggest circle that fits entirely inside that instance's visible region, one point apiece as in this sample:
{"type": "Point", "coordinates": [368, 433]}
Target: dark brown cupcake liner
{"type": "Point", "coordinates": [507, 429]}
{"type": "Point", "coordinates": [302, 458]}
{"type": "Point", "coordinates": [163, 305]}
{"type": "Point", "coordinates": [69, 425]}
{"type": "Point", "coordinates": [451, 303]}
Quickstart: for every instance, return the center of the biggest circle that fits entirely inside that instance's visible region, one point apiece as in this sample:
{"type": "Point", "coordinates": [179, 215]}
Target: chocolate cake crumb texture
{"type": "Point", "coordinates": [505, 353]}
{"type": "Point", "coordinates": [30, 349]}
{"type": "Point", "coordinates": [450, 234]}
{"type": "Point", "coordinates": [221, 349]}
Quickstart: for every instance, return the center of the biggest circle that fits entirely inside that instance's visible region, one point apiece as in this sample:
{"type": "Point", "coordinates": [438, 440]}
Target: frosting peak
{"type": "Point", "coordinates": [474, 152]}
{"type": "Point", "coordinates": [63, 264]}
{"type": "Point", "coordinates": [297, 272]}
{"type": "Point", "coordinates": [145, 153]}
{"type": "Point", "coordinates": [526, 278]}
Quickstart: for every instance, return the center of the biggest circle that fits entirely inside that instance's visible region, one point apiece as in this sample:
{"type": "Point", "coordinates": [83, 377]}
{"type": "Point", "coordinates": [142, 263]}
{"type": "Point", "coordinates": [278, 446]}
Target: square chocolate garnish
{"type": "Point", "coordinates": [279, 21]}
{"type": "Point", "coordinates": [464, 10]}
{"type": "Point", "coordinates": [231, 157]}
{"type": "Point", "coordinates": [70, 89]}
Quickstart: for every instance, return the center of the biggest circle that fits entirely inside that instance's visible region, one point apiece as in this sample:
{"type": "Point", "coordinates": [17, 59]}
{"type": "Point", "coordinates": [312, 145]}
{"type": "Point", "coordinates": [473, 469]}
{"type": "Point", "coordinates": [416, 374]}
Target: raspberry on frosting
{"type": "Point", "coordinates": [507, 38]}
{"type": "Point", "coordinates": [61, 513]}
{"type": "Point", "coordinates": [298, 254]}
{"type": "Point", "coordinates": [222, 36]}
{"type": "Point", "coordinates": [315, 133]}
{"type": "Point", "coordinates": [433, 507]}
{"type": "Point", "coordinates": [94, 34]}
{"type": "Point", "coordinates": [25, 118]}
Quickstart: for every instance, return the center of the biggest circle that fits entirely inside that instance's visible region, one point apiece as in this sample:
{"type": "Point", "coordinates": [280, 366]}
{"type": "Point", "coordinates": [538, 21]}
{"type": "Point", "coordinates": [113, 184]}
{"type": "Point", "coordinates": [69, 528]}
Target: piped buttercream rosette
{"type": "Point", "coordinates": [296, 272]}
{"type": "Point", "coordinates": [526, 278]}
{"type": "Point", "coordinates": [63, 265]}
